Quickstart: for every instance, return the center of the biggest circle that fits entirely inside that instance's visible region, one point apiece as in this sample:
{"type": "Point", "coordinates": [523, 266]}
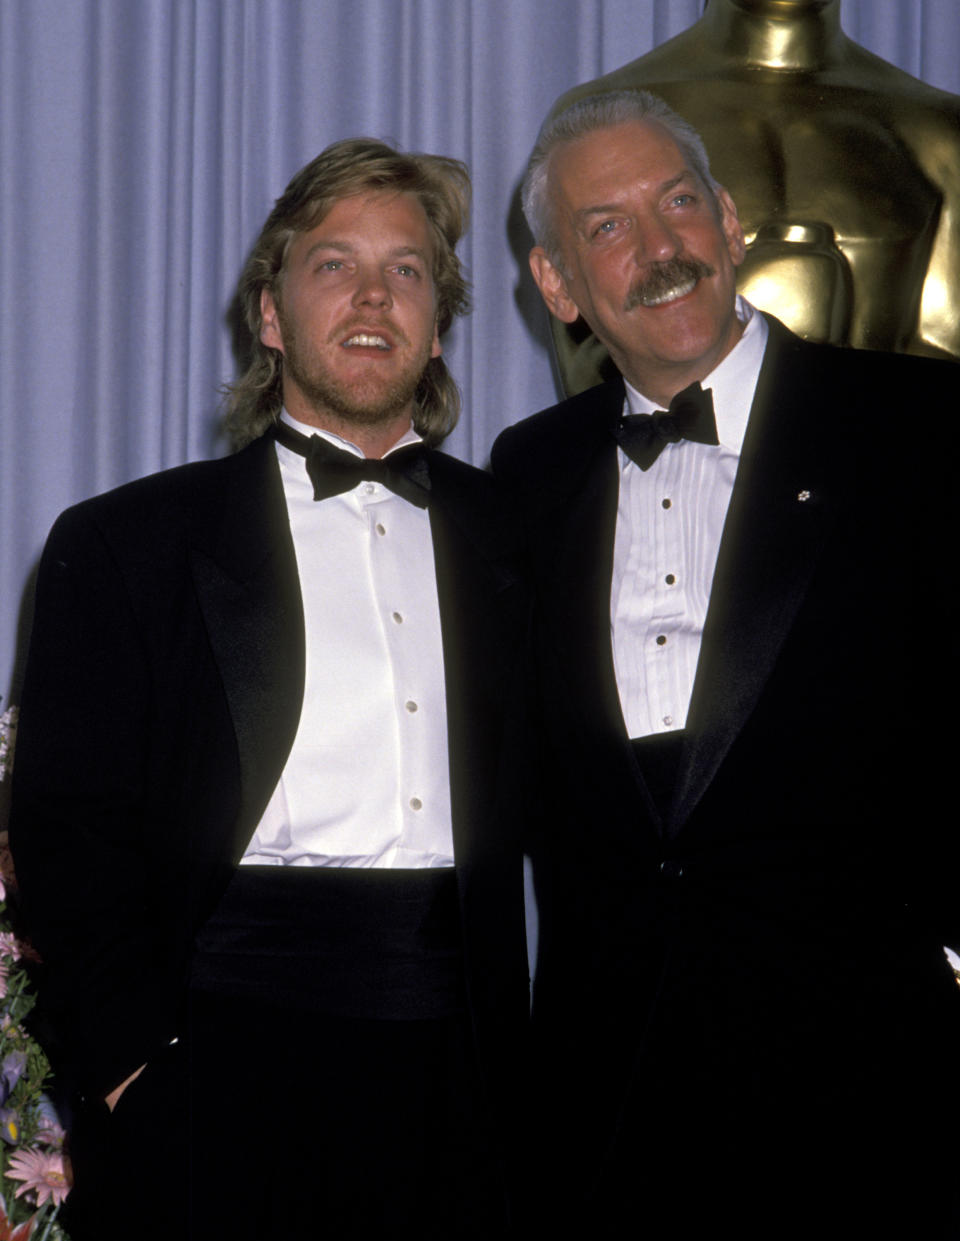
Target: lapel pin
{"type": "Point", "coordinates": [803, 495]}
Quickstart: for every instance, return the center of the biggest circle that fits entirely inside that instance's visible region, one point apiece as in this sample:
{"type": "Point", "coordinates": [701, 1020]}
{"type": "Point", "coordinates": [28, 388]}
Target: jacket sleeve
{"type": "Point", "coordinates": [79, 814]}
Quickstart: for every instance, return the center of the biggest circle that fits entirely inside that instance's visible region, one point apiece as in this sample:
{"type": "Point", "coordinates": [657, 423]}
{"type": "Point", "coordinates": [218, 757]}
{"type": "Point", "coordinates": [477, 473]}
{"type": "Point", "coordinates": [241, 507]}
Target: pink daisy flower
{"type": "Point", "coordinates": [40, 1171]}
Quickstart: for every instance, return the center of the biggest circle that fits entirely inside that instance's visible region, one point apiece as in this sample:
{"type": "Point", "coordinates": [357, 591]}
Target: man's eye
{"type": "Point", "coordinates": [682, 200]}
{"type": "Point", "coordinates": [606, 227]}
{"type": "Point", "coordinates": [331, 265]}
{"type": "Point", "coordinates": [404, 269]}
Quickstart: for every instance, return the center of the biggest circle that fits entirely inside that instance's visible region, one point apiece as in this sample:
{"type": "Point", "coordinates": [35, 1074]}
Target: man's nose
{"type": "Point", "coordinates": [655, 240]}
{"type": "Point", "coordinates": [372, 289]}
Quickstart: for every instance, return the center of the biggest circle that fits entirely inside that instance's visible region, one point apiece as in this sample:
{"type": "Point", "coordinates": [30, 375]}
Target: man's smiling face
{"type": "Point", "coordinates": [356, 314]}
{"type": "Point", "coordinates": [648, 255]}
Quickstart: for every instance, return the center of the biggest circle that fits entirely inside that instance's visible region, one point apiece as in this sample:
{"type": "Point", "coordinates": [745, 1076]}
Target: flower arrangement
{"type": "Point", "coordinates": [33, 1174]}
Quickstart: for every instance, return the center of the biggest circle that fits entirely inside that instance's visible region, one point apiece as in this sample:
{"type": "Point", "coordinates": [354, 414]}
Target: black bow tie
{"type": "Point", "coordinates": [690, 417]}
{"type": "Point", "coordinates": [333, 471]}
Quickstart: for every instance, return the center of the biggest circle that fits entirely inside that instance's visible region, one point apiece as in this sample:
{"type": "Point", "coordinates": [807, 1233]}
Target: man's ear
{"type": "Point", "coordinates": [270, 334]}
{"type": "Point", "coordinates": [732, 230]}
{"type": "Point", "coordinates": [552, 286]}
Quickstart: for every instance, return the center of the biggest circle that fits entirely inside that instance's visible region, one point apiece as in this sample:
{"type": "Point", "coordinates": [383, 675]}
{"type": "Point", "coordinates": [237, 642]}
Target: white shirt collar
{"type": "Point", "coordinates": [409, 436]}
{"type": "Point", "coordinates": [733, 381]}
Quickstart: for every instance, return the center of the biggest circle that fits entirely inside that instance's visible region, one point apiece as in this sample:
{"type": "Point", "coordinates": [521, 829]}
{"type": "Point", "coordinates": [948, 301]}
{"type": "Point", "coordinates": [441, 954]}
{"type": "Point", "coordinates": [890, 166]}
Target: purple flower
{"type": "Point", "coordinates": [10, 1125]}
{"type": "Point", "coordinates": [49, 1130]}
{"type": "Point", "coordinates": [11, 1070]}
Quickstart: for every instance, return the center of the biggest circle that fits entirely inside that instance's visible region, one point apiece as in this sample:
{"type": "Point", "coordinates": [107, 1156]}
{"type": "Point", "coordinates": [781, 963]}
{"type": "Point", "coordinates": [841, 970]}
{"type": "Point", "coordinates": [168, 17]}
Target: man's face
{"type": "Point", "coordinates": [648, 255]}
{"type": "Point", "coordinates": [356, 315]}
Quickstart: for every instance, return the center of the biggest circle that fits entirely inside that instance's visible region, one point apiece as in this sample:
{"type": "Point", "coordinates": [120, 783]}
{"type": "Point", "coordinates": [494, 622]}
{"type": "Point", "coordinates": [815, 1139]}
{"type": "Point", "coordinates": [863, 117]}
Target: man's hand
{"type": "Point", "coordinates": [113, 1098]}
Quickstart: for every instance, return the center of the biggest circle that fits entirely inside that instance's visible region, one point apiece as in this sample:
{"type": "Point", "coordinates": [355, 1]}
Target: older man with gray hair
{"type": "Point", "coordinates": [743, 1014]}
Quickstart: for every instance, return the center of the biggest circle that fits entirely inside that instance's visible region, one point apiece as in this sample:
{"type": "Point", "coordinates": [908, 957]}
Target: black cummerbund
{"type": "Point", "coordinates": [382, 944]}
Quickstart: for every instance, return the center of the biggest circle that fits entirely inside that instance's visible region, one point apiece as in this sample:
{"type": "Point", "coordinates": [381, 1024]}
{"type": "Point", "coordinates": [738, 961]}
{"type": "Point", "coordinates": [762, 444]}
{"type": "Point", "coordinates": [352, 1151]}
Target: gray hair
{"type": "Point", "coordinates": [353, 166]}
{"type": "Point", "coordinates": [583, 117]}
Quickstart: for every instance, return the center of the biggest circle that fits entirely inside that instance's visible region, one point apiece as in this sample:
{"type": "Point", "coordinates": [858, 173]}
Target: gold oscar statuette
{"type": "Point", "coordinates": [845, 171]}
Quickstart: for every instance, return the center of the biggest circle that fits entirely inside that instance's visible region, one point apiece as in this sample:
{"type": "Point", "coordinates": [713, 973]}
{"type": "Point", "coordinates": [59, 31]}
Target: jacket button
{"type": "Point", "coordinates": [671, 869]}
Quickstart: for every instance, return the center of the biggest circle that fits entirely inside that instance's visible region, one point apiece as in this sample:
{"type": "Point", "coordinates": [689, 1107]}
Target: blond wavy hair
{"type": "Point", "coordinates": [353, 166]}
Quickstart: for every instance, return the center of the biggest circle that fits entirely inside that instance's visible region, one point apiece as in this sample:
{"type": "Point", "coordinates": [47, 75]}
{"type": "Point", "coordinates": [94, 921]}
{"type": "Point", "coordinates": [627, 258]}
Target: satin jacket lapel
{"type": "Point", "coordinates": [478, 589]}
{"type": "Point", "coordinates": [779, 516]}
{"type": "Point", "coordinates": [574, 564]}
{"type": "Point", "coordinates": [245, 574]}
{"type": "Point", "coordinates": [575, 513]}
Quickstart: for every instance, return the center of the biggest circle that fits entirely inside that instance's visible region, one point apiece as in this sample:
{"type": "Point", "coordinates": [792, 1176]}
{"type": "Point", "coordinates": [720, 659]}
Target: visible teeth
{"type": "Point", "coordinates": [367, 340]}
{"type": "Point", "coordinates": [671, 295]}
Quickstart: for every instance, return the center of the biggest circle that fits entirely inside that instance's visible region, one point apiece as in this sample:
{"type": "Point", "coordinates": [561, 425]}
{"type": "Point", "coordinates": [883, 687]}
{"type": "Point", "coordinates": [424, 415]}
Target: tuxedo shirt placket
{"type": "Point", "coordinates": [367, 779]}
{"type": "Point", "coordinates": [670, 520]}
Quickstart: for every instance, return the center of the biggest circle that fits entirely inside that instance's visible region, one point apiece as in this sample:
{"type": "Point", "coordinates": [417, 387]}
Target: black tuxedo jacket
{"type": "Point", "coordinates": [161, 698]}
{"type": "Point", "coordinates": [769, 941]}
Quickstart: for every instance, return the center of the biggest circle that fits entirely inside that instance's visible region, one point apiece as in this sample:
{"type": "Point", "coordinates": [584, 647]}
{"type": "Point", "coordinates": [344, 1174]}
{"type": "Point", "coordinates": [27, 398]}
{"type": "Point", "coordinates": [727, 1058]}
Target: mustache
{"type": "Point", "coordinates": [661, 278]}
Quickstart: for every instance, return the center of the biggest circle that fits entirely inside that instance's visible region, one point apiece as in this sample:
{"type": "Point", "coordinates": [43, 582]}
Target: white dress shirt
{"type": "Point", "coordinates": [367, 781]}
{"type": "Point", "coordinates": [669, 524]}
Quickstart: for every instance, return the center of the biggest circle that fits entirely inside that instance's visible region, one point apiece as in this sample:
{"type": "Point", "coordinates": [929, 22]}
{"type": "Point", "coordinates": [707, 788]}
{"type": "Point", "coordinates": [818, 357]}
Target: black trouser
{"type": "Point", "coordinates": [272, 1118]}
